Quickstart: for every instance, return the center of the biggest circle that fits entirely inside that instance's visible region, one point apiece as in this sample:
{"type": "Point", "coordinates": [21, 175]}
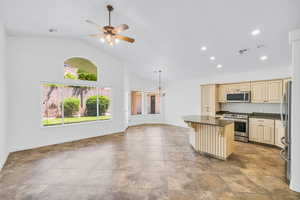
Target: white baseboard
{"type": "Point", "coordinates": [3, 160]}
{"type": "Point", "coordinates": [295, 187]}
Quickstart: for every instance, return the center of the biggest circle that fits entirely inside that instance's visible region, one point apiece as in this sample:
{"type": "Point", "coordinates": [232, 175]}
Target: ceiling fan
{"type": "Point", "coordinates": [109, 33]}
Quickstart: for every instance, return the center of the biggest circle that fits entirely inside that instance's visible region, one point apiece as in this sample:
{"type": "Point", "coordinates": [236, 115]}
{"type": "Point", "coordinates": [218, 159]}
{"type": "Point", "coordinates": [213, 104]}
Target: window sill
{"type": "Point", "coordinates": [77, 124]}
{"type": "Point", "coordinates": [144, 115]}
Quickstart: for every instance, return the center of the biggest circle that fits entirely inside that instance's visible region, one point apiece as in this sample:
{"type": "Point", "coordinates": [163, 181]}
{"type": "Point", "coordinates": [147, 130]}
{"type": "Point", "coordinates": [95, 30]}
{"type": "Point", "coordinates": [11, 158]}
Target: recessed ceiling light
{"type": "Point", "coordinates": [212, 58]}
{"type": "Point", "coordinates": [219, 66]}
{"type": "Point", "coordinates": [264, 58]}
{"type": "Point", "coordinates": [255, 32]}
{"type": "Point", "coordinates": [203, 48]}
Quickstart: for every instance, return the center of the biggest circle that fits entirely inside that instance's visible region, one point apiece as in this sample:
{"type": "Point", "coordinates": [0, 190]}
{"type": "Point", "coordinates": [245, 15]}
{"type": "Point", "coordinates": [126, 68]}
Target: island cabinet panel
{"type": "Point", "coordinates": [215, 141]}
{"type": "Point", "coordinates": [262, 130]}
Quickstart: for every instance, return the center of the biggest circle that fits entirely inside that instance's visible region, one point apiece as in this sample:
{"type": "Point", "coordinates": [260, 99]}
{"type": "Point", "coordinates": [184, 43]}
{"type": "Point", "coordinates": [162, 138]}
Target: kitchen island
{"type": "Point", "coordinates": [211, 136]}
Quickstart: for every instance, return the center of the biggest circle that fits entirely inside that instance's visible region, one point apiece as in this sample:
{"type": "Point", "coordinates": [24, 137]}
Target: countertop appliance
{"type": "Point", "coordinates": [285, 152]}
{"type": "Point", "coordinates": [241, 125]}
{"type": "Point", "coordinates": [238, 97]}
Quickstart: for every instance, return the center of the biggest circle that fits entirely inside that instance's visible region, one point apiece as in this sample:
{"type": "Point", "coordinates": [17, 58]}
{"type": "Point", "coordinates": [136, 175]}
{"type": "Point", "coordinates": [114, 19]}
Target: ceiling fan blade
{"type": "Point", "coordinates": [93, 23]}
{"type": "Point", "coordinates": [121, 28]}
{"type": "Point", "coordinates": [127, 39]}
{"type": "Point", "coordinates": [98, 35]}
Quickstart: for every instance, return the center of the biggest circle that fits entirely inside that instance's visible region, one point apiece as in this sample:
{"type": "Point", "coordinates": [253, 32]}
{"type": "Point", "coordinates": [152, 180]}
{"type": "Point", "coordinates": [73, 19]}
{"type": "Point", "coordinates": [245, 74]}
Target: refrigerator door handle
{"type": "Point", "coordinates": [282, 155]}
{"type": "Point", "coordinates": [281, 109]}
{"type": "Point", "coordinates": [283, 141]}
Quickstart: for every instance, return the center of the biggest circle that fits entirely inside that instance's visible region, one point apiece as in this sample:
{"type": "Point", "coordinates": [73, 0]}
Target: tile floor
{"type": "Point", "coordinates": [148, 162]}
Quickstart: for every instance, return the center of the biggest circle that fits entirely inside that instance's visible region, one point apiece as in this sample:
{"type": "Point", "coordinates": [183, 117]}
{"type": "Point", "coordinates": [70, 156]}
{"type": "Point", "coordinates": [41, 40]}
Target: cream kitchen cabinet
{"type": "Point", "coordinates": [258, 92]}
{"type": "Point", "coordinates": [238, 87]}
{"type": "Point", "coordinates": [262, 130]}
{"type": "Point", "coordinates": [224, 89]}
{"type": "Point", "coordinates": [243, 87]}
{"type": "Point", "coordinates": [275, 91]}
{"type": "Point", "coordinates": [266, 91]}
{"type": "Point", "coordinates": [209, 105]}
{"type": "Point", "coordinates": [279, 133]}
{"type": "Point", "coordinates": [222, 93]}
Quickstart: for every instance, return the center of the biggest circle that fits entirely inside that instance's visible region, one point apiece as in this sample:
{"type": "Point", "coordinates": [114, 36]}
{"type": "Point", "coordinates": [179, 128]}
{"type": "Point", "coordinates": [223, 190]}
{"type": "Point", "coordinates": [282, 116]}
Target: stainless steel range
{"type": "Point", "coordinates": [241, 125]}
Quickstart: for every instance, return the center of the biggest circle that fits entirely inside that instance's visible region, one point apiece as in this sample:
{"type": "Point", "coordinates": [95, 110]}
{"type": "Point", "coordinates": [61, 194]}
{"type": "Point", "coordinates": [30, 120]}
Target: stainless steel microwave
{"type": "Point", "coordinates": [238, 97]}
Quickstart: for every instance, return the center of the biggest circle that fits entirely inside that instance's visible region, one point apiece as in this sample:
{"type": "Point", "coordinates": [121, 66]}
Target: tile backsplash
{"type": "Point", "coordinates": [251, 107]}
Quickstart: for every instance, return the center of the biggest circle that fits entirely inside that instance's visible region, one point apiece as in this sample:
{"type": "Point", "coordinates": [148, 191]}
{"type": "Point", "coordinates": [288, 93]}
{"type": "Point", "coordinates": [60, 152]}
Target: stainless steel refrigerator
{"type": "Point", "coordinates": [285, 152]}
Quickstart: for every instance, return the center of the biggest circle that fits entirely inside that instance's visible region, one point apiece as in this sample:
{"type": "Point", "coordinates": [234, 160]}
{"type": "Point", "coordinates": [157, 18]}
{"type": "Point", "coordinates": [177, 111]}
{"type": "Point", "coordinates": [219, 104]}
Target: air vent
{"type": "Point", "coordinates": [243, 51]}
{"type": "Point", "coordinates": [260, 46]}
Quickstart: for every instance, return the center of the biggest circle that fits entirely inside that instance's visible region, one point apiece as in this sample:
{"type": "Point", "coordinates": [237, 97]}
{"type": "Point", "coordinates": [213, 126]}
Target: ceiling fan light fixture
{"type": "Point", "coordinates": [110, 34]}
{"type": "Point", "coordinates": [102, 39]}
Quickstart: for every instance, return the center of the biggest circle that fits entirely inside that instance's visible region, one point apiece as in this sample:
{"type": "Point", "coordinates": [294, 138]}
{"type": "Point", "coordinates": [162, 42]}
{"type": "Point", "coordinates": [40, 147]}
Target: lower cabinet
{"type": "Point", "coordinates": [262, 130]}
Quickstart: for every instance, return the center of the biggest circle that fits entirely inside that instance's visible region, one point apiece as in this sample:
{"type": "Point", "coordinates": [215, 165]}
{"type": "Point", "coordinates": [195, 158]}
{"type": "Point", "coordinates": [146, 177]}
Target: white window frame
{"type": "Point", "coordinates": [71, 83]}
{"type": "Point", "coordinates": [144, 104]}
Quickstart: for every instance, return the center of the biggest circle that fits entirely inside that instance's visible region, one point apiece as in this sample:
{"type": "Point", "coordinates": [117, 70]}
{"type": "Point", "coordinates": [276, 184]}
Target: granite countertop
{"type": "Point", "coordinates": [274, 116]}
{"type": "Point", "coordinates": [208, 120]}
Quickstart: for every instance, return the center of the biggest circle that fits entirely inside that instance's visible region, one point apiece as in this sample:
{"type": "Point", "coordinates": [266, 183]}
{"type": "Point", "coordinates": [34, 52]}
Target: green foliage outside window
{"type": "Point", "coordinates": [91, 105]}
{"type": "Point", "coordinates": [71, 106]}
{"type": "Point", "coordinates": [86, 76]}
{"type": "Point", "coordinates": [70, 76]}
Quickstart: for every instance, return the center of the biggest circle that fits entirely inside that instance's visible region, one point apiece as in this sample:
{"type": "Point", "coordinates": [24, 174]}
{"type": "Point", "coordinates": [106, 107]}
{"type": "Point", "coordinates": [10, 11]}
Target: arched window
{"type": "Point", "coordinates": [80, 69]}
{"type": "Point", "coordinates": [76, 102]}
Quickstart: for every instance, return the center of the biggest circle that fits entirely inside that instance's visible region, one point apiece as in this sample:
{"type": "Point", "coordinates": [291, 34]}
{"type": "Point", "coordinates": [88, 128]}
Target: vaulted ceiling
{"type": "Point", "coordinates": [169, 33]}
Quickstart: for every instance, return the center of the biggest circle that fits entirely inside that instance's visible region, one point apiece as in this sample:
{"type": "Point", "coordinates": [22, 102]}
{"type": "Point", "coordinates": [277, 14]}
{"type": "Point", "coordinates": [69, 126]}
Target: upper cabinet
{"type": "Point", "coordinates": [243, 87]}
{"type": "Point", "coordinates": [222, 90]}
{"type": "Point", "coordinates": [238, 87]}
{"type": "Point", "coordinates": [266, 91]}
{"type": "Point", "coordinates": [209, 105]}
{"type": "Point", "coordinates": [259, 92]}
{"type": "Point", "coordinates": [275, 91]}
